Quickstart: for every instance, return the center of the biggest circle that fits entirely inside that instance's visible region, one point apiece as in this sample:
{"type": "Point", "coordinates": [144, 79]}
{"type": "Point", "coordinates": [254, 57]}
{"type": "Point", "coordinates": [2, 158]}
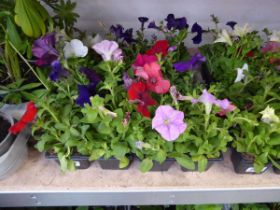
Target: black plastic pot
{"type": "Point", "coordinates": [244, 166]}
{"type": "Point", "coordinates": [210, 162]}
{"type": "Point", "coordinates": [163, 166]}
{"type": "Point", "coordinates": [276, 170]}
{"type": "Point", "coordinates": [80, 161]}
{"type": "Point", "coordinates": [113, 163]}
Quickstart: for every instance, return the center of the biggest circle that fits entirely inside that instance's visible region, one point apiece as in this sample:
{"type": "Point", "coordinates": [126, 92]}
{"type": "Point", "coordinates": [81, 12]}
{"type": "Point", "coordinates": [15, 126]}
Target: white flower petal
{"type": "Point", "coordinates": [240, 73]}
{"type": "Point", "coordinates": [68, 50]}
{"type": "Point", "coordinates": [224, 37]}
{"type": "Point", "coordinates": [275, 36]}
{"type": "Point", "coordinates": [79, 49]}
{"type": "Point", "coordinates": [241, 31]}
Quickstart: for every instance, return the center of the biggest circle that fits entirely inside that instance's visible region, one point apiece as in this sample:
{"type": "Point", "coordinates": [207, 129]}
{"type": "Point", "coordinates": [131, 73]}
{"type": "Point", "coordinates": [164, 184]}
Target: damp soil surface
{"type": "Point", "coordinates": [4, 128]}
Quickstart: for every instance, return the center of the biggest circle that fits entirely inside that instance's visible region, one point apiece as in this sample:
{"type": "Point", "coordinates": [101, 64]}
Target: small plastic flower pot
{"type": "Point", "coordinates": [276, 170]}
{"type": "Point", "coordinates": [244, 165]}
{"type": "Point", "coordinates": [163, 166]}
{"type": "Point", "coordinates": [80, 161]}
{"type": "Point", "coordinates": [13, 158]}
{"type": "Point", "coordinates": [210, 162]}
{"type": "Point", "coordinates": [113, 163]}
{"type": "Point", "coordinates": [6, 138]}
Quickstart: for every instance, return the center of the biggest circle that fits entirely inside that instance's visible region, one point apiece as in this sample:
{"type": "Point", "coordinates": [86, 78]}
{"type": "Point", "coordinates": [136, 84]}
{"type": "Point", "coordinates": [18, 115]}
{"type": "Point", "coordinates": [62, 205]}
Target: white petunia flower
{"type": "Point", "coordinates": [224, 37]}
{"type": "Point", "coordinates": [275, 36]}
{"type": "Point", "coordinates": [75, 48]}
{"type": "Point", "coordinates": [269, 116]}
{"type": "Point", "coordinates": [241, 31]}
{"type": "Point", "coordinates": [240, 73]}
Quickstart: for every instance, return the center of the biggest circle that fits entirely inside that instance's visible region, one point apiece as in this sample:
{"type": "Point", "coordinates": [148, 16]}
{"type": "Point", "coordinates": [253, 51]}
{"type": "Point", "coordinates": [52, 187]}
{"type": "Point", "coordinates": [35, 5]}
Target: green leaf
{"type": "Point", "coordinates": [120, 150]}
{"type": "Point", "coordinates": [124, 162]}
{"type": "Point", "coordinates": [75, 132]}
{"type": "Point", "coordinates": [146, 165]}
{"type": "Point", "coordinates": [186, 162]}
{"type": "Point", "coordinates": [63, 162]}
{"type": "Point", "coordinates": [202, 164]}
{"type": "Point", "coordinates": [96, 154]}
{"type": "Point", "coordinates": [160, 156]}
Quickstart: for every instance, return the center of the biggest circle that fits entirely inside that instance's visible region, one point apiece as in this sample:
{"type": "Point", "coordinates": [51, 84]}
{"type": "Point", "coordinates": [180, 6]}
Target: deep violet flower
{"type": "Point", "coordinates": [138, 93]}
{"type": "Point", "coordinates": [176, 23]}
{"type": "Point", "coordinates": [92, 76]}
{"type": "Point", "coordinates": [109, 50]}
{"type": "Point", "coordinates": [195, 60]}
{"type": "Point", "coordinates": [169, 122]}
{"type": "Point", "coordinates": [44, 49]}
{"type": "Point", "coordinates": [86, 91]}
{"type": "Point", "coordinates": [231, 24]}
{"type": "Point", "coordinates": [143, 20]}
{"type": "Point", "coordinates": [128, 36]}
{"type": "Point", "coordinates": [84, 95]}
{"type": "Point", "coordinates": [160, 47]}
{"type": "Point", "coordinates": [117, 30]}
{"type": "Point", "coordinates": [196, 28]}
{"type": "Point", "coordinates": [57, 71]}
{"type": "Point", "coordinates": [153, 25]}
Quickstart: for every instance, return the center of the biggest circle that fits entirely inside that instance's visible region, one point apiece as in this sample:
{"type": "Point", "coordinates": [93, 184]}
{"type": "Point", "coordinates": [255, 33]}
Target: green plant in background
{"type": "Point", "coordinates": [65, 17]}
{"type": "Point", "coordinates": [200, 207]}
{"type": "Point", "coordinates": [30, 15]}
{"type": "Point", "coordinates": [258, 140]}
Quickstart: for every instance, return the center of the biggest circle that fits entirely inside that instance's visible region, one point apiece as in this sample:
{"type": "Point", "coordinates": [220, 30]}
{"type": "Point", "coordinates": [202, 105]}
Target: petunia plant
{"type": "Point", "coordinates": [207, 133]}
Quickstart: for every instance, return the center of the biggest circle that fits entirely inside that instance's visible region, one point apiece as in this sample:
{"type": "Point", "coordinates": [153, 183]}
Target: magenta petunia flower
{"type": "Point", "coordinates": [109, 50]}
{"type": "Point", "coordinates": [169, 122]}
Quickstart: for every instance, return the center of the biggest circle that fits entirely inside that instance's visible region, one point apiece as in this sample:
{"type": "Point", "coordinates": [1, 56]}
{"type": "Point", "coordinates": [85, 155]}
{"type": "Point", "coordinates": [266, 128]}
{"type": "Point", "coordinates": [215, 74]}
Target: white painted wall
{"type": "Point", "coordinates": [259, 13]}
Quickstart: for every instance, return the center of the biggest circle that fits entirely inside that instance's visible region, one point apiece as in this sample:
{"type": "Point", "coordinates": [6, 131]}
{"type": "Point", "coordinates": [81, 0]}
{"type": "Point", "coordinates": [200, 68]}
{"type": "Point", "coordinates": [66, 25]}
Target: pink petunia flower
{"type": "Point", "coordinates": [169, 123]}
{"type": "Point", "coordinates": [154, 80]}
{"type": "Point", "coordinates": [225, 106]}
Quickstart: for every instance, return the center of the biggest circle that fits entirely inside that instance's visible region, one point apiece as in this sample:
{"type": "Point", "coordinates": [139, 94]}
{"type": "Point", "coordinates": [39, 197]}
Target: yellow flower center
{"type": "Point", "coordinates": [166, 122]}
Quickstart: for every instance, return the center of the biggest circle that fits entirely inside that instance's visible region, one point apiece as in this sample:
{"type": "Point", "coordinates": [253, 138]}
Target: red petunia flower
{"type": "Point", "coordinates": [250, 54]}
{"type": "Point", "coordinates": [28, 117]}
{"type": "Point", "coordinates": [160, 47]}
{"type": "Point", "coordinates": [153, 76]}
{"type": "Point", "coordinates": [138, 93]}
{"type": "Point", "coordinates": [141, 60]}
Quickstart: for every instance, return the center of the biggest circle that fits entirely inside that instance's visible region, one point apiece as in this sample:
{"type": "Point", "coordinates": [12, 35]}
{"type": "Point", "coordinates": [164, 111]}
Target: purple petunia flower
{"type": "Point", "coordinates": [44, 49]}
{"type": "Point", "coordinates": [128, 36]}
{"type": "Point", "coordinates": [86, 91]}
{"type": "Point", "coordinates": [176, 23]}
{"type": "Point", "coordinates": [231, 24]}
{"type": "Point", "coordinates": [153, 25]}
{"type": "Point", "coordinates": [196, 28]}
{"type": "Point", "coordinates": [127, 80]}
{"type": "Point", "coordinates": [190, 64]}
{"type": "Point", "coordinates": [169, 122]}
{"type": "Point", "coordinates": [57, 71]}
{"type": "Point", "coordinates": [84, 95]}
{"type": "Point", "coordinates": [143, 20]}
{"type": "Point", "coordinates": [92, 76]}
{"type": "Point", "coordinates": [117, 30]}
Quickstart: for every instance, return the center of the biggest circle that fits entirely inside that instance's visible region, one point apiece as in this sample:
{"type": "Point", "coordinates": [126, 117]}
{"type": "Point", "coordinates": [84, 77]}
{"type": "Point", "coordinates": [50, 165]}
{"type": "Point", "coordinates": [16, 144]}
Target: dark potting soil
{"type": "Point", "coordinates": [4, 128]}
